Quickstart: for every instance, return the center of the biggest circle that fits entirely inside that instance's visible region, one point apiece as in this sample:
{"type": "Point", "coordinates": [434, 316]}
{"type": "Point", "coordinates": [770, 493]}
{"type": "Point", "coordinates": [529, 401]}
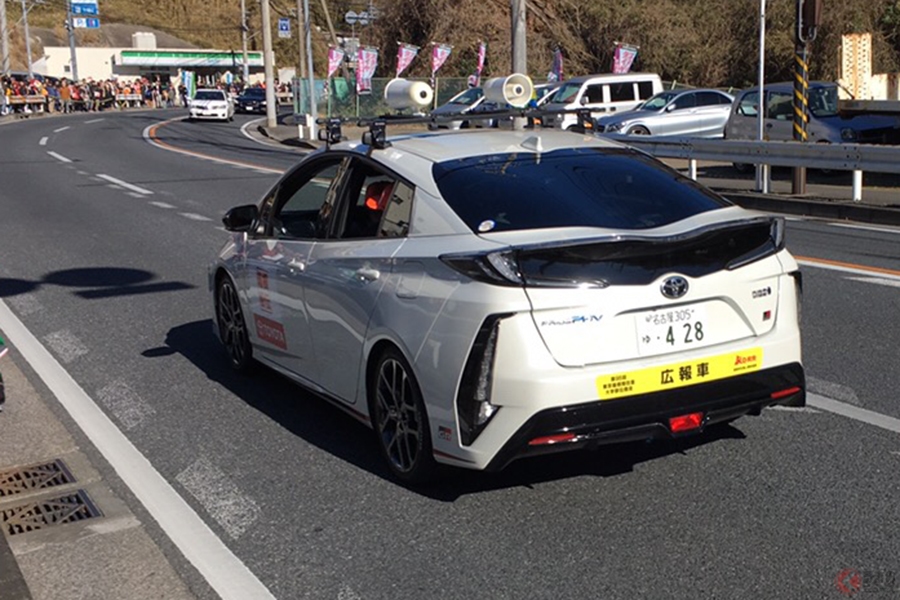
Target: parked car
{"type": "Point", "coordinates": [251, 100]}
{"type": "Point", "coordinates": [211, 104]}
{"type": "Point", "coordinates": [697, 113]}
{"type": "Point", "coordinates": [462, 103]}
{"type": "Point", "coordinates": [603, 93]}
{"type": "Point", "coordinates": [483, 296]}
{"type": "Point", "coordinates": [826, 123]}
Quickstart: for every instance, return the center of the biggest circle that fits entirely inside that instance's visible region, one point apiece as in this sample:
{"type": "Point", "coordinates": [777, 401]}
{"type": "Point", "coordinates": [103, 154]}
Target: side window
{"type": "Point", "coordinates": [621, 92]}
{"type": "Point", "coordinates": [594, 93]}
{"type": "Point", "coordinates": [645, 89]}
{"type": "Point", "coordinates": [686, 101]}
{"type": "Point", "coordinates": [780, 106]}
{"type": "Point", "coordinates": [305, 202]}
{"type": "Point", "coordinates": [749, 104]}
{"type": "Point", "coordinates": [378, 205]}
{"type": "Point", "coordinates": [711, 99]}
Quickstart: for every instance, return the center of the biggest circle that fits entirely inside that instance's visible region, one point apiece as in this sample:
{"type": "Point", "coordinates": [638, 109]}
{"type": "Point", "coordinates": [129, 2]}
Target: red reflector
{"type": "Point", "coordinates": [552, 439]}
{"type": "Point", "coordinates": [686, 422]}
{"type": "Point", "coordinates": [783, 393]}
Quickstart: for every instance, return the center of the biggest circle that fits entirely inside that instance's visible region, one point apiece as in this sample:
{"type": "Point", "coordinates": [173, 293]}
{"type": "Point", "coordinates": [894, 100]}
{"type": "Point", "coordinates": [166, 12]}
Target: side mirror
{"type": "Point", "coordinates": [584, 100]}
{"type": "Point", "coordinates": [240, 218]}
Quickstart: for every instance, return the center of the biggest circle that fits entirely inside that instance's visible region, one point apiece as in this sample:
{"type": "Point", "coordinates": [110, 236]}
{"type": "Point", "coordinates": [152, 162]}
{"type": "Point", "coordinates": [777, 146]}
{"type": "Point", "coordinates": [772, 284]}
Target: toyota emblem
{"type": "Point", "coordinates": [674, 287]}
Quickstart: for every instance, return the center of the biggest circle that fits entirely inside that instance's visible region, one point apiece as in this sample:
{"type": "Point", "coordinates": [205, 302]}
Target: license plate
{"type": "Point", "coordinates": [671, 329]}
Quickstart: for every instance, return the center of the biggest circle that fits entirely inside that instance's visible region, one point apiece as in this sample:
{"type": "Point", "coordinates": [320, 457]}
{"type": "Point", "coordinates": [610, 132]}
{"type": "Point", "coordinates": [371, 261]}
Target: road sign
{"type": "Point", "coordinates": [351, 17]}
{"type": "Point", "coordinates": [86, 23]}
{"type": "Point", "coordinates": [84, 9]}
{"type": "Point", "coordinates": [284, 28]}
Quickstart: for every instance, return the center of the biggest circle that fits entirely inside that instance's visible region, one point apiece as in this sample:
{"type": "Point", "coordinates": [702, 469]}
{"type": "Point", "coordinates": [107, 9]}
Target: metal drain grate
{"type": "Point", "coordinates": [40, 514]}
{"type": "Point", "coordinates": [34, 477]}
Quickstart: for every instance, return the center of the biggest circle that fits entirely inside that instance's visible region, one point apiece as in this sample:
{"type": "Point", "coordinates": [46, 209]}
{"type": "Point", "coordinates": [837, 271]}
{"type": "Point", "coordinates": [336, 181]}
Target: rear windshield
{"type": "Point", "coordinates": [576, 187]}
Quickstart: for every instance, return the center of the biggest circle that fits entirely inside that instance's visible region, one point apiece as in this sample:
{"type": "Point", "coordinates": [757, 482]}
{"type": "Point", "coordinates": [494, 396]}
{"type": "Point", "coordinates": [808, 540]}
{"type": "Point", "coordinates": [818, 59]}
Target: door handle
{"type": "Point", "coordinates": [365, 274]}
{"type": "Point", "coordinates": [295, 265]}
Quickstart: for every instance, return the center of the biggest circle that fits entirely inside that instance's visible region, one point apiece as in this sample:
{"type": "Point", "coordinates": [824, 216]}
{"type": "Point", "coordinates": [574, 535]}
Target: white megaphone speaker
{"type": "Point", "coordinates": [515, 90]}
{"type": "Point", "coordinates": [403, 93]}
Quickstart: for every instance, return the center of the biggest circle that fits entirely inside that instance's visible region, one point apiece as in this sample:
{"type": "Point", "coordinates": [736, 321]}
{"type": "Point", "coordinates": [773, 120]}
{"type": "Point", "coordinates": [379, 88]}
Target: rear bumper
{"type": "Point", "coordinates": [646, 417]}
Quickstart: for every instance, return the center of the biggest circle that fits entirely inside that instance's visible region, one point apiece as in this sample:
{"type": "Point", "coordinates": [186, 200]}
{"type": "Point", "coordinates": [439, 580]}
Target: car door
{"type": "Point", "coordinates": [779, 116]}
{"type": "Point", "coordinates": [346, 273]}
{"type": "Point", "coordinates": [743, 121]}
{"type": "Point", "coordinates": [679, 117]}
{"type": "Point", "coordinates": [293, 218]}
{"type": "Point", "coordinates": [712, 113]}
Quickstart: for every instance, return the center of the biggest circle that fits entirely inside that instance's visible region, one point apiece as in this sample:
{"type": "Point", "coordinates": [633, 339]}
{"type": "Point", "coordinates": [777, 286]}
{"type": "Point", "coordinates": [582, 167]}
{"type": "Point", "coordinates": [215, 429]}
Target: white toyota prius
{"type": "Point", "coordinates": [477, 297]}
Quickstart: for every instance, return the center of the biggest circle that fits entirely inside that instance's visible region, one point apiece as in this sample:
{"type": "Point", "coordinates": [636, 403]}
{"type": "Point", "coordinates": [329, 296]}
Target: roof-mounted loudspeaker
{"type": "Point", "coordinates": [403, 93]}
{"type": "Point", "coordinates": [515, 90]}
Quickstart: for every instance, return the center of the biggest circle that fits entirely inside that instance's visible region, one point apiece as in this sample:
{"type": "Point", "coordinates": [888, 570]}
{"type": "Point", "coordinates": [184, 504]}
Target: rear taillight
{"type": "Point", "coordinates": [499, 268]}
{"type": "Point", "coordinates": [473, 401]}
{"type": "Point", "coordinates": [683, 423]}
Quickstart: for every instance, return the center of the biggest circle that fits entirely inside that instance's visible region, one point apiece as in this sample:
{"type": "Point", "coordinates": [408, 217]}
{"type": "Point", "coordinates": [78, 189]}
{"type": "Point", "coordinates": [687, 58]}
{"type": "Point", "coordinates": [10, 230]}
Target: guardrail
{"type": "Point", "coordinates": [857, 158]}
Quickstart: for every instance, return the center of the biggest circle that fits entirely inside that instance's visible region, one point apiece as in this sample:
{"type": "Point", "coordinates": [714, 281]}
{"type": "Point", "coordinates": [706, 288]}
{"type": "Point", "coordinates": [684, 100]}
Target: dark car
{"type": "Point", "coordinates": [252, 100]}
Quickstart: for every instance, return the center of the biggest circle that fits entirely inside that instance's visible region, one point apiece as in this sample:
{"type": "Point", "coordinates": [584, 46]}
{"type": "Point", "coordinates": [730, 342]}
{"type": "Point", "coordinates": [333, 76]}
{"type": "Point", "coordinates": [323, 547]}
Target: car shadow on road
{"type": "Point", "coordinates": [319, 423]}
{"type": "Point", "coordinates": [94, 282]}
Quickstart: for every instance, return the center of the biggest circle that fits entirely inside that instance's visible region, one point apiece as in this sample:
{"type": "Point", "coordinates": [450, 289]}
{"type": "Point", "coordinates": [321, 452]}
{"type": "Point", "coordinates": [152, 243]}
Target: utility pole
{"type": "Point", "coordinates": [808, 14]}
{"type": "Point", "coordinates": [27, 41]}
{"type": "Point", "coordinates": [301, 19]}
{"type": "Point", "coordinates": [307, 28]}
{"type": "Point", "coordinates": [519, 49]}
{"type": "Point", "coordinates": [268, 60]}
{"type": "Point", "coordinates": [762, 170]}
{"type": "Point", "coordinates": [73, 57]}
{"type": "Point", "coordinates": [246, 71]}
{"type": "Point", "coordinates": [4, 40]}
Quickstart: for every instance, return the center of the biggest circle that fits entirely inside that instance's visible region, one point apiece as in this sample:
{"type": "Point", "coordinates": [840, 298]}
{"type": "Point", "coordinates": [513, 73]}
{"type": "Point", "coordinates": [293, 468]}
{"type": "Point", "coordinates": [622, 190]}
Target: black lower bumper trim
{"type": "Point", "coordinates": [646, 417]}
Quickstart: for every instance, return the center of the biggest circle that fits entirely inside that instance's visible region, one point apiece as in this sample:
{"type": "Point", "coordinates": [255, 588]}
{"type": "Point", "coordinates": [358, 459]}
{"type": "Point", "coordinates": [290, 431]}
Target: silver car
{"type": "Point", "coordinates": [696, 113]}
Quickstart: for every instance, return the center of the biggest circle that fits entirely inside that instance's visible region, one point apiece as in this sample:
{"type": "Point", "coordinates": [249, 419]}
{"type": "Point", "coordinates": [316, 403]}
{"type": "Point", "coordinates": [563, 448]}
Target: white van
{"type": "Point", "coordinates": [601, 93]}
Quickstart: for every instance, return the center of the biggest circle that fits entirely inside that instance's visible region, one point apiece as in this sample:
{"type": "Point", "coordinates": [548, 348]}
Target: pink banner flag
{"type": "Point", "coordinates": [335, 56]}
{"type": "Point", "coordinates": [405, 55]}
{"type": "Point", "coordinates": [368, 61]}
{"type": "Point", "coordinates": [624, 58]}
{"type": "Point", "coordinates": [475, 78]}
{"type": "Point", "coordinates": [556, 71]}
{"type": "Point", "coordinates": [439, 55]}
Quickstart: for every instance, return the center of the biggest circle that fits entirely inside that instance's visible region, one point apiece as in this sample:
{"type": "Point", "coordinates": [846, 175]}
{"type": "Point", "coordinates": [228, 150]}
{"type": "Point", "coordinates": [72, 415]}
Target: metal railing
{"type": "Point", "coordinates": [857, 158]}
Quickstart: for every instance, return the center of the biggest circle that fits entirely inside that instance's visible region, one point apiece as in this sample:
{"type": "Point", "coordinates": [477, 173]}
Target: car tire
{"type": "Point", "coordinates": [399, 419]}
{"type": "Point", "coordinates": [233, 330]}
{"type": "Point", "coordinates": [639, 130]}
{"type": "Point", "coordinates": [743, 168]}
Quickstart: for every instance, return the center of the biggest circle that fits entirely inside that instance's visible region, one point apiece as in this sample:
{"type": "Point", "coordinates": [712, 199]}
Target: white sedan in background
{"type": "Point", "coordinates": [481, 296]}
{"type": "Point", "coordinates": [211, 104]}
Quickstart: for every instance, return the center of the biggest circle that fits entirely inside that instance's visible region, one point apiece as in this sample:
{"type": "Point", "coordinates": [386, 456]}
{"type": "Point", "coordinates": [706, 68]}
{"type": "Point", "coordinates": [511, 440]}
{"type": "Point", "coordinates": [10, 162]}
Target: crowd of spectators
{"type": "Point", "coordinates": [24, 96]}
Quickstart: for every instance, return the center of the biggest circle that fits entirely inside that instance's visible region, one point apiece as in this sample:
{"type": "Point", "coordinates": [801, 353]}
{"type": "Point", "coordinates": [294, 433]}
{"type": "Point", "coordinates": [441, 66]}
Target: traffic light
{"type": "Point", "coordinates": [809, 15]}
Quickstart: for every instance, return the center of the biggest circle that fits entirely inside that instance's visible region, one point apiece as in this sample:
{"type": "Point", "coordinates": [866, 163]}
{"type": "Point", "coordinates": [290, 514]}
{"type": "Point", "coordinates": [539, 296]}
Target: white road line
{"type": "Point", "coordinates": [832, 390]}
{"type": "Point", "coordinates": [843, 269]}
{"type": "Point", "coordinates": [865, 227]}
{"type": "Point", "coordinates": [161, 204]}
{"type": "Point", "coordinates": [66, 345]}
{"type": "Point", "coordinates": [195, 217]}
{"type": "Point", "coordinates": [854, 412]}
{"type": "Point", "coordinates": [58, 157]}
{"type": "Point", "coordinates": [135, 195]}
{"type": "Point", "coordinates": [43, 141]}
{"type": "Point", "coordinates": [125, 184]}
{"type": "Point", "coordinates": [26, 304]}
{"type": "Point", "coordinates": [61, 129]}
{"type": "Point", "coordinates": [125, 404]}
{"type": "Point", "coordinates": [222, 499]}
{"type": "Point", "coordinates": [224, 571]}
{"type": "Point", "coordinates": [93, 121]}
{"type": "Point", "coordinates": [877, 281]}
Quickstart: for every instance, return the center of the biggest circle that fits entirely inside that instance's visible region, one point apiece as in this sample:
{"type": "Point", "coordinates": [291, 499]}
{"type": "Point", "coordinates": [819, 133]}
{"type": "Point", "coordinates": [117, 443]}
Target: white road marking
{"type": "Point", "coordinates": [43, 141]}
{"type": "Point", "coordinates": [854, 412]}
{"type": "Point", "coordinates": [832, 390]}
{"type": "Point", "coordinates": [845, 269]}
{"type": "Point", "coordinates": [222, 499]}
{"type": "Point", "coordinates": [66, 345]}
{"type": "Point", "coordinates": [61, 129]}
{"type": "Point", "coordinates": [125, 184]}
{"type": "Point", "coordinates": [348, 593]}
{"type": "Point", "coordinates": [877, 281]}
{"type": "Point", "coordinates": [125, 404]}
{"type": "Point", "coordinates": [93, 121]}
{"type": "Point", "coordinates": [82, 172]}
{"type": "Point", "coordinates": [865, 227]}
{"type": "Point", "coordinates": [135, 195]}
{"type": "Point", "coordinates": [224, 571]}
{"type": "Point", "coordinates": [195, 217]}
{"type": "Point", "coordinates": [799, 409]}
{"type": "Point", "coordinates": [58, 157]}
{"type": "Point", "coordinates": [26, 304]}
{"type": "Point", "coordinates": [161, 204]}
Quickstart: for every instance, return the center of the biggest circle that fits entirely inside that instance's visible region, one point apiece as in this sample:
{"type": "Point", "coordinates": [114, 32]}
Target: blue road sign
{"type": "Point", "coordinates": [84, 9]}
{"type": "Point", "coordinates": [284, 28]}
{"type": "Point", "coordinates": [86, 23]}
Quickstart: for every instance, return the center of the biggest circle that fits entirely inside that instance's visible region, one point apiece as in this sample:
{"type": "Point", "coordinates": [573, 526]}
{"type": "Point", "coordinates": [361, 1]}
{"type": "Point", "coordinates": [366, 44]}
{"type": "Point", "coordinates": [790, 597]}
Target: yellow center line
{"type": "Point", "coordinates": [845, 265]}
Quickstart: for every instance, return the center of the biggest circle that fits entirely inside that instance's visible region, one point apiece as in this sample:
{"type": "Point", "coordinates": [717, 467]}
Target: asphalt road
{"type": "Point", "coordinates": [103, 258]}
